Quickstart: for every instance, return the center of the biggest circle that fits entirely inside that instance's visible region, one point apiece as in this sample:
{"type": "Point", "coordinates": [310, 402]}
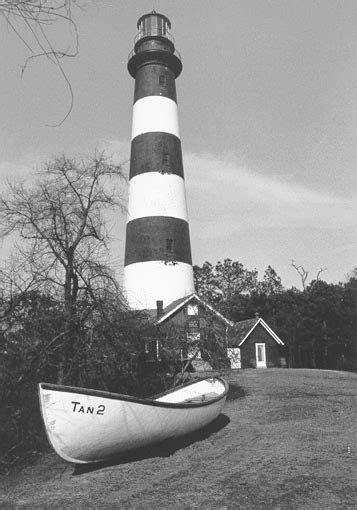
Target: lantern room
{"type": "Point", "coordinates": [153, 25]}
{"type": "Point", "coordinates": [154, 44]}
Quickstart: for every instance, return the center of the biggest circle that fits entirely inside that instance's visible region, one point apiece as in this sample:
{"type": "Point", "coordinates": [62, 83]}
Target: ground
{"type": "Point", "coordinates": [286, 439]}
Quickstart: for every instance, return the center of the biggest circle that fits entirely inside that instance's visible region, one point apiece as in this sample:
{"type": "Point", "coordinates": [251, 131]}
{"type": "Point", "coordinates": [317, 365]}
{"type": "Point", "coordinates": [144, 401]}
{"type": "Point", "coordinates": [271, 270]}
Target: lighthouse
{"type": "Point", "coordinates": [158, 263]}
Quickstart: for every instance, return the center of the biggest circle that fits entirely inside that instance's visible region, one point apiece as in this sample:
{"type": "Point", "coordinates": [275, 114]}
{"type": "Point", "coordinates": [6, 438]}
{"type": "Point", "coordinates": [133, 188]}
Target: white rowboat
{"type": "Point", "coordinates": [85, 426]}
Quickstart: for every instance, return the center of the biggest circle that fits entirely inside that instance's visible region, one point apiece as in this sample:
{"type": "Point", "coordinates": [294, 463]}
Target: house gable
{"type": "Point", "coordinates": [176, 306]}
{"type": "Point", "coordinates": [260, 336]}
{"type": "Point", "coordinates": [190, 328]}
{"type": "Point", "coordinates": [243, 329]}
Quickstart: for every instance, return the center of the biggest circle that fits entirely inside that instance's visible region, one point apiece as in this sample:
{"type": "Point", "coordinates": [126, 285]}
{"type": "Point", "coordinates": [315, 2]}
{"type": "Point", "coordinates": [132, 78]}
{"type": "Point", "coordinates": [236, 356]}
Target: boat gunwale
{"type": "Point", "coordinates": [143, 401]}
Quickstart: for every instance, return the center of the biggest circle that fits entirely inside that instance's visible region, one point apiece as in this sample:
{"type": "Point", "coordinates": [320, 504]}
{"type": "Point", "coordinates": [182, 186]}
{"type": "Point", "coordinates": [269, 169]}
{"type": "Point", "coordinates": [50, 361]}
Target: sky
{"type": "Point", "coordinates": [268, 122]}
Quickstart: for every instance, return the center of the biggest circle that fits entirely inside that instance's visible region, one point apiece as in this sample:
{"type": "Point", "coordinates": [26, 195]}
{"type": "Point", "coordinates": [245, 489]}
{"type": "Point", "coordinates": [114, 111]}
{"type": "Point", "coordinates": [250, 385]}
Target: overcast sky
{"type": "Point", "coordinates": [268, 122]}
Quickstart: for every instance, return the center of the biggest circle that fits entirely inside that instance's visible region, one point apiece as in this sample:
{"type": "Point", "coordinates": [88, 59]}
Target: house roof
{"type": "Point", "coordinates": [242, 330]}
{"type": "Point", "coordinates": [175, 306]}
{"type": "Point", "coordinates": [151, 313]}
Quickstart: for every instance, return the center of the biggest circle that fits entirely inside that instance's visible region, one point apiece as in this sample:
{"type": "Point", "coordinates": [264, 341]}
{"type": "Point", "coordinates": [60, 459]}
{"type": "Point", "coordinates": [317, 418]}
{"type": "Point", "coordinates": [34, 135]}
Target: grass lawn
{"type": "Point", "coordinates": [286, 439]}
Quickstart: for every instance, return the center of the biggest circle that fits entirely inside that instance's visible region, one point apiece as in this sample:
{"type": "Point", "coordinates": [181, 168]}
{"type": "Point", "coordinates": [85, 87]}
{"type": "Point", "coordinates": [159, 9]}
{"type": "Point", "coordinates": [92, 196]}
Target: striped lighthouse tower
{"type": "Point", "coordinates": [158, 264]}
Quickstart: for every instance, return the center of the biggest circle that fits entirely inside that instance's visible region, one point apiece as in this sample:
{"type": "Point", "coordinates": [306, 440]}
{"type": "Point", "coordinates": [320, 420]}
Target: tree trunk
{"type": "Point", "coordinates": [313, 354]}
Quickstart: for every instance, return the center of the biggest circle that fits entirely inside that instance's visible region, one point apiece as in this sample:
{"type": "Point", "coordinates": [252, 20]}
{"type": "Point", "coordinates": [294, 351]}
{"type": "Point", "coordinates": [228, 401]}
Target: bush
{"type": "Point", "coordinates": [108, 355]}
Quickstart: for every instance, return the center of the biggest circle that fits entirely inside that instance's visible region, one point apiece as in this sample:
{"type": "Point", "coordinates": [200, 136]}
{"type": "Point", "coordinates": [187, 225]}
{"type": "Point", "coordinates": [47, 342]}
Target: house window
{"type": "Point", "coordinates": [193, 352]}
{"type": "Point", "coordinates": [193, 337]}
{"type": "Point", "coordinates": [192, 309]}
{"type": "Point", "coordinates": [234, 355]}
{"type": "Point", "coordinates": [150, 348]}
{"type": "Point", "coordinates": [193, 324]}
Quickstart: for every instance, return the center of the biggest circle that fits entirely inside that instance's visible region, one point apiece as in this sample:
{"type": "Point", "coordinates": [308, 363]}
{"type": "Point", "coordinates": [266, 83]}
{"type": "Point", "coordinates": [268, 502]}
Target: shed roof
{"type": "Point", "coordinates": [241, 330]}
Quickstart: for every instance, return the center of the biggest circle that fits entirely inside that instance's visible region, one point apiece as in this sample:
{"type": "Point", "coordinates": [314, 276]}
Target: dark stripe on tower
{"type": "Point", "coordinates": [155, 80]}
{"type": "Point", "coordinates": [156, 152]}
{"type": "Point", "coordinates": [157, 238]}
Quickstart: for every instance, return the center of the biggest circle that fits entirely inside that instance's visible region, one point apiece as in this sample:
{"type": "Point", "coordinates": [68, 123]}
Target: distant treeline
{"type": "Point", "coordinates": [317, 324]}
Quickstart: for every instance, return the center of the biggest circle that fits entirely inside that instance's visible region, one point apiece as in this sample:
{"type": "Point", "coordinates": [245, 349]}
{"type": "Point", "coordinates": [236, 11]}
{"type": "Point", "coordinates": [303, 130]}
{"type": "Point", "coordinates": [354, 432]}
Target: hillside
{"type": "Point", "coordinates": [287, 439]}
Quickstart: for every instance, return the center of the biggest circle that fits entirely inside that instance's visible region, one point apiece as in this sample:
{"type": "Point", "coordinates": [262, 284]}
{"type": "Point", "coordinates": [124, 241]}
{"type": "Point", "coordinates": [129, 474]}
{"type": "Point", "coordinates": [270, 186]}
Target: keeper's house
{"type": "Point", "coordinates": [195, 330]}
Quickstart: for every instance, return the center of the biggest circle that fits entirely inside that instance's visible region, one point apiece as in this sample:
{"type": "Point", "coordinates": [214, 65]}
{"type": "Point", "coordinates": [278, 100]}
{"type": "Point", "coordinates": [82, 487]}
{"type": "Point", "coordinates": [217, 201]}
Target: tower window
{"type": "Point", "coordinates": [169, 245]}
{"type": "Point", "coordinates": [166, 158]}
{"type": "Point", "coordinates": [166, 163]}
{"type": "Point", "coordinates": [162, 79]}
{"type": "Point", "coordinates": [170, 253]}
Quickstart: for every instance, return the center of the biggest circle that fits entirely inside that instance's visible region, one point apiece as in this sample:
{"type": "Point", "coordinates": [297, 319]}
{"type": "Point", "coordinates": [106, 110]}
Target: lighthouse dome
{"type": "Point", "coordinates": [154, 24]}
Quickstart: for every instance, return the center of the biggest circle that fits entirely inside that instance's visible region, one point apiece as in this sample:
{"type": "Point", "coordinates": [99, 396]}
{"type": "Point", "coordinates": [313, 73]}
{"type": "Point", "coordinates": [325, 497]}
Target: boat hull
{"type": "Point", "coordinates": [86, 426]}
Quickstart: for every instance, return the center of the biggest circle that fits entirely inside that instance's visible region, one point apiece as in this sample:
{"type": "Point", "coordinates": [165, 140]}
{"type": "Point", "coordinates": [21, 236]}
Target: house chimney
{"type": "Point", "coordinates": [256, 315]}
{"type": "Point", "coordinates": [159, 309]}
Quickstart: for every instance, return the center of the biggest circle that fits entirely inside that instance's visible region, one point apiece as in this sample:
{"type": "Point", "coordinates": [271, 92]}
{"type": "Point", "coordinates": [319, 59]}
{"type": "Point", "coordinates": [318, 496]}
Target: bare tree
{"type": "Point", "coordinates": [32, 21]}
{"type": "Point", "coordinates": [304, 274]}
{"type": "Point", "coordinates": [62, 231]}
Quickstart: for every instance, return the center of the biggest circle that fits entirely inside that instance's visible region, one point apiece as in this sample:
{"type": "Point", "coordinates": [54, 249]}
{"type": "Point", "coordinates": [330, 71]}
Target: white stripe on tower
{"type": "Point", "coordinates": [155, 114]}
{"type": "Point", "coordinates": [156, 275]}
{"type": "Point", "coordinates": [158, 264]}
{"type": "Point", "coordinates": [156, 194]}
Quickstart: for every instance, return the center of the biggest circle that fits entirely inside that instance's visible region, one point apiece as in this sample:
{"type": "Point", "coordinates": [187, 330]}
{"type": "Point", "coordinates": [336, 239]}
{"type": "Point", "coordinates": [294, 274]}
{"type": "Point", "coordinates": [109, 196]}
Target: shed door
{"type": "Point", "coordinates": [234, 356]}
{"type": "Point", "coordinates": [260, 355]}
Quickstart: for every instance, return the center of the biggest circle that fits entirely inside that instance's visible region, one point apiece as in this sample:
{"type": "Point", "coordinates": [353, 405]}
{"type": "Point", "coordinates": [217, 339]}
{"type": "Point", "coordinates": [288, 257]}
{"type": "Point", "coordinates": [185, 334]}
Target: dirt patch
{"type": "Point", "coordinates": [287, 439]}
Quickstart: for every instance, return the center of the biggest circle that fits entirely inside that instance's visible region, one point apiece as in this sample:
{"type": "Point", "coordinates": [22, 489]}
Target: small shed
{"type": "Point", "coordinates": [253, 344]}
